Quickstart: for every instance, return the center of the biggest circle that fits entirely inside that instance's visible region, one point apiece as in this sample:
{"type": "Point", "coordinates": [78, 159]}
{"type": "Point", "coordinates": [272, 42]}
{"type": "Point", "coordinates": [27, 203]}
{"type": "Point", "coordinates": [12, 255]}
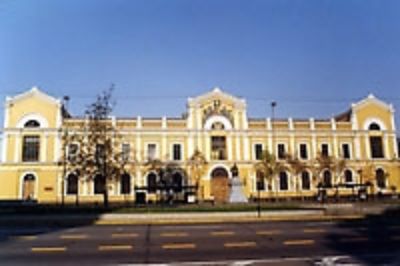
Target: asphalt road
{"type": "Point", "coordinates": [270, 243]}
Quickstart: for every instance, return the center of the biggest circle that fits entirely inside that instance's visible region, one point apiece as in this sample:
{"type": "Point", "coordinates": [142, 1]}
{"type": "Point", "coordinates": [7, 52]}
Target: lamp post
{"type": "Point", "coordinates": [64, 107]}
{"type": "Point", "coordinates": [273, 105]}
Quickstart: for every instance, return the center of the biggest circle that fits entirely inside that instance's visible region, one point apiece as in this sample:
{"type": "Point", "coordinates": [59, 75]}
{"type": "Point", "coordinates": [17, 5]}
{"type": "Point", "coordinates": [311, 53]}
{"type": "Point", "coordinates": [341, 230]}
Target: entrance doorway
{"type": "Point", "coordinates": [220, 185]}
{"type": "Point", "coordinates": [28, 187]}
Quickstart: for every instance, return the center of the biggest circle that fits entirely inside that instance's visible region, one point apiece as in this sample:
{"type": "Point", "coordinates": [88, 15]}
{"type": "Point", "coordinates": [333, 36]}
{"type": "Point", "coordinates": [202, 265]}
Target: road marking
{"type": "Point", "coordinates": [314, 230]}
{"type": "Point", "coordinates": [174, 234]}
{"type": "Point", "coordinates": [123, 235]}
{"type": "Point", "coordinates": [394, 227]}
{"type": "Point", "coordinates": [114, 247]}
{"type": "Point", "coordinates": [222, 233]}
{"type": "Point", "coordinates": [48, 249]}
{"type": "Point", "coordinates": [240, 244]}
{"type": "Point", "coordinates": [268, 233]}
{"type": "Point", "coordinates": [299, 242]}
{"type": "Point", "coordinates": [73, 236]}
{"type": "Point", "coordinates": [179, 246]}
{"type": "Point", "coordinates": [26, 237]}
{"type": "Point", "coordinates": [395, 238]}
{"type": "Point", "coordinates": [354, 239]}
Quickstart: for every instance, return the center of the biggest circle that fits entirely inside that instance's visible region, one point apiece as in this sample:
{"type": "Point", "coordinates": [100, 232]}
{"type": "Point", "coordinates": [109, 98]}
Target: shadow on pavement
{"type": "Point", "coordinates": [374, 240]}
{"type": "Point", "coordinates": [30, 220]}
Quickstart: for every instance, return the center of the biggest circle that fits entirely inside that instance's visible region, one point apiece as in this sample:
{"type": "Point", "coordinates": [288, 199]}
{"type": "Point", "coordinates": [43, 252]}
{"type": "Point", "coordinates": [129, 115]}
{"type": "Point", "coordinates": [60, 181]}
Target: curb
{"type": "Point", "coordinates": [231, 220]}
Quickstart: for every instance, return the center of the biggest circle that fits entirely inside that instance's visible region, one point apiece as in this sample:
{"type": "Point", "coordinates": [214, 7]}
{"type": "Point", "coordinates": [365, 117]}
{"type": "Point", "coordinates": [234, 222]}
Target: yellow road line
{"type": "Point", "coordinates": [269, 233]}
{"type": "Point", "coordinates": [179, 246]}
{"type": "Point", "coordinates": [26, 237]}
{"type": "Point", "coordinates": [123, 235]}
{"type": "Point", "coordinates": [240, 244]}
{"type": "Point", "coordinates": [48, 249]}
{"type": "Point", "coordinates": [114, 247]}
{"type": "Point", "coordinates": [299, 242]}
{"type": "Point", "coordinates": [73, 236]}
{"type": "Point", "coordinates": [314, 230]}
{"type": "Point", "coordinates": [174, 234]}
{"type": "Point", "coordinates": [354, 239]}
{"type": "Point", "coordinates": [222, 233]}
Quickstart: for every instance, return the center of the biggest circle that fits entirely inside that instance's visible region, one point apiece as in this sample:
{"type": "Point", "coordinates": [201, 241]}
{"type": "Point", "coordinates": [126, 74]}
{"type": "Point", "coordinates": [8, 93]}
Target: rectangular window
{"type": "Point", "coordinates": [30, 150]}
{"type": "Point", "coordinates": [218, 148]}
{"type": "Point", "coordinates": [376, 147]}
{"type": "Point", "coordinates": [281, 151]}
{"type": "Point", "coordinates": [151, 151]}
{"type": "Point", "coordinates": [100, 153]}
{"type": "Point", "coordinates": [303, 152]}
{"type": "Point", "coordinates": [258, 150]}
{"type": "Point", "coordinates": [177, 152]}
{"type": "Point", "coordinates": [126, 150]}
{"type": "Point", "coordinates": [346, 151]}
{"type": "Point", "coordinates": [325, 150]}
{"type": "Point", "coordinates": [72, 152]}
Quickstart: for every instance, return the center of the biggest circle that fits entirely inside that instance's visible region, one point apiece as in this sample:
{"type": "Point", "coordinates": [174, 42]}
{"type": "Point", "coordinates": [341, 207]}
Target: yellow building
{"type": "Point", "coordinates": [216, 124]}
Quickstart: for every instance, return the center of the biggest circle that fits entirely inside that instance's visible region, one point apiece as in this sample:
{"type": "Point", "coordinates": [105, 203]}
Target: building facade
{"type": "Point", "coordinates": [217, 125]}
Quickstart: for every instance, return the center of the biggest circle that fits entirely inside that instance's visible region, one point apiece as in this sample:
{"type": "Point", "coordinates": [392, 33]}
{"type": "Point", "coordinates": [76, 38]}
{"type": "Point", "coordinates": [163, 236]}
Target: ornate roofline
{"type": "Point", "coordinates": [217, 93]}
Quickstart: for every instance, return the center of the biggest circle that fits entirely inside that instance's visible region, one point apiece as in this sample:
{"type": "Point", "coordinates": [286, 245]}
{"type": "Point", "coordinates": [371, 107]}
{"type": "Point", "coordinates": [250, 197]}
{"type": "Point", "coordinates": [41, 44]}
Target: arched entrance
{"type": "Point", "coordinates": [220, 185]}
{"type": "Point", "coordinates": [28, 187]}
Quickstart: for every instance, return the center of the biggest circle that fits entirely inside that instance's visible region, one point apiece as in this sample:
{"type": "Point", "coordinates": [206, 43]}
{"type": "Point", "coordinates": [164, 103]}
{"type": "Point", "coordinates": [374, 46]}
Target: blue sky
{"type": "Point", "coordinates": [314, 57]}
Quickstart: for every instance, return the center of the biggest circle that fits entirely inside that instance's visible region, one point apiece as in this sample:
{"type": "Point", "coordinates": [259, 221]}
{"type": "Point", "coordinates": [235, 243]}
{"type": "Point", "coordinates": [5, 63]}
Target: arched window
{"type": "Point", "coordinates": [28, 187]}
{"type": "Point", "coordinates": [380, 178]}
{"type": "Point", "coordinates": [125, 183]}
{"type": "Point", "coordinates": [99, 184]}
{"type": "Point", "coordinates": [152, 183]}
{"type": "Point", "coordinates": [348, 176]}
{"type": "Point", "coordinates": [177, 182]}
{"type": "Point", "coordinates": [327, 179]}
{"type": "Point", "coordinates": [72, 184]}
{"type": "Point", "coordinates": [305, 180]}
{"type": "Point", "coordinates": [374, 126]}
{"type": "Point", "coordinates": [283, 181]}
{"type": "Point", "coordinates": [31, 124]}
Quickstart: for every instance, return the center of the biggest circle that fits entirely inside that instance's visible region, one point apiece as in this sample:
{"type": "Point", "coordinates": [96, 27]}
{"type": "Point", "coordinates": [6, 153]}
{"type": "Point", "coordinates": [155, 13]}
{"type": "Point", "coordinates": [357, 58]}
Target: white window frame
{"type": "Point", "coordinates": [77, 150]}
{"type": "Point", "coordinates": [350, 150]}
{"type": "Point", "coordinates": [122, 150]}
{"type": "Point", "coordinates": [277, 150]}
{"type": "Point", "coordinates": [172, 151]}
{"type": "Point", "coordinates": [156, 155]}
{"type": "Point", "coordinates": [254, 150]}
{"type": "Point", "coordinates": [329, 147]}
{"type": "Point", "coordinates": [307, 151]}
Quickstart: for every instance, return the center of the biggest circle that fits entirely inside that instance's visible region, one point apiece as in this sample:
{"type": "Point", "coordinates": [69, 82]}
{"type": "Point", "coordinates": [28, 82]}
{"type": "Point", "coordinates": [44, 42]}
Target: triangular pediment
{"type": "Point", "coordinates": [217, 94]}
{"type": "Point", "coordinates": [35, 92]}
{"type": "Point", "coordinates": [371, 99]}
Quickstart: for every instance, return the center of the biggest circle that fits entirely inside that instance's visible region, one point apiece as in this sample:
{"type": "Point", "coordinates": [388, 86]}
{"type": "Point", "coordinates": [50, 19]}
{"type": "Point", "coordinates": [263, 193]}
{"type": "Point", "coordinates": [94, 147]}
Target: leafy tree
{"type": "Point", "coordinates": [296, 167]}
{"type": "Point", "coordinates": [197, 165]}
{"type": "Point", "coordinates": [268, 167]}
{"type": "Point", "coordinates": [165, 171]}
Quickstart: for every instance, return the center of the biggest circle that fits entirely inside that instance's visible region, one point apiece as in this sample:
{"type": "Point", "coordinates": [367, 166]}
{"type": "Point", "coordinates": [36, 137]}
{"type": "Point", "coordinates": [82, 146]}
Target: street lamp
{"type": "Point", "coordinates": [64, 110]}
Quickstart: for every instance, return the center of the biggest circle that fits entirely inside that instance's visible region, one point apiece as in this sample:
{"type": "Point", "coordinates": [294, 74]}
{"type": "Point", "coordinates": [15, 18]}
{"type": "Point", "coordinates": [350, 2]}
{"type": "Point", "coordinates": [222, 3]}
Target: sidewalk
{"type": "Point", "coordinates": [317, 212]}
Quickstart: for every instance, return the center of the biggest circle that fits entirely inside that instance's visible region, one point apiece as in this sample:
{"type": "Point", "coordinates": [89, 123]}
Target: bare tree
{"type": "Point", "coordinates": [100, 155]}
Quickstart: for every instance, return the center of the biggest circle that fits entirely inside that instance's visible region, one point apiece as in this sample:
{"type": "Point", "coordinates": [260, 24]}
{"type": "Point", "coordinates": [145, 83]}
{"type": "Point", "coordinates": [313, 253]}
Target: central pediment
{"type": "Point", "coordinates": [219, 97]}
